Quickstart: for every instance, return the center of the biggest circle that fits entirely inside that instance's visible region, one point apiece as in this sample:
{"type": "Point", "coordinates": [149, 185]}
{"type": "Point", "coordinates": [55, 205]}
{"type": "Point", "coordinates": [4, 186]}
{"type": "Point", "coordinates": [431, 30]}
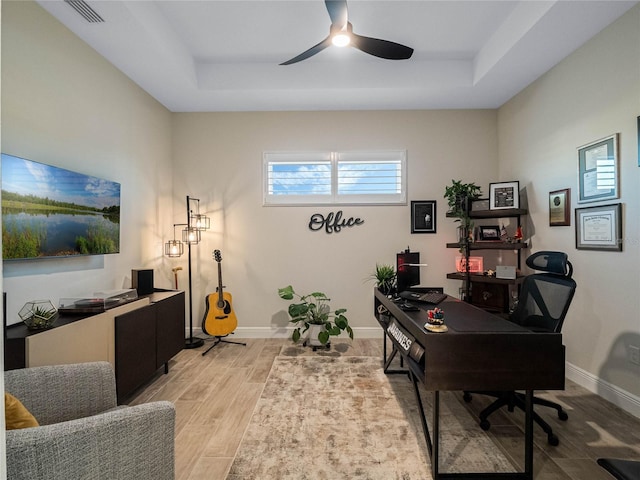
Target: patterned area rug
{"type": "Point", "coordinates": [343, 418]}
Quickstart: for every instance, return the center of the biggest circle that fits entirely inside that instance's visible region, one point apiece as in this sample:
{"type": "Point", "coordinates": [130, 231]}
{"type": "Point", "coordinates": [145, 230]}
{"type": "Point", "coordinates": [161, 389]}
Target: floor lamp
{"type": "Point", "coordinates": [196, 223]}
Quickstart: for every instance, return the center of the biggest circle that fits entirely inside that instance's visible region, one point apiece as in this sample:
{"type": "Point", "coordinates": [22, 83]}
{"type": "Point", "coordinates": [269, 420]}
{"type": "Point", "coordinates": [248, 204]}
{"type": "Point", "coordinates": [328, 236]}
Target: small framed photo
{"type": "Point", "coordinates": [423, 216]}
{"type": "Point", "coordinates": [489, 233]}
{"type": "Point", "coordinates": [560, 207]}
{"type": "Point", "coordinates": [599, 228]}
{"type": "Point", "coordinates": [504, 195]}
{"type": "Point", "coordinates": [479, 204]}
{"type": "Point", "coordinates": [598, 170]}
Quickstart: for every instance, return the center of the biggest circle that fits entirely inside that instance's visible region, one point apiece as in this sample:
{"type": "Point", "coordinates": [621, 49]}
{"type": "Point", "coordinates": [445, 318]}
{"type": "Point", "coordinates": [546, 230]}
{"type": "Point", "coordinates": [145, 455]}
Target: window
{"type": "Point", "coordinates": [309, 178]}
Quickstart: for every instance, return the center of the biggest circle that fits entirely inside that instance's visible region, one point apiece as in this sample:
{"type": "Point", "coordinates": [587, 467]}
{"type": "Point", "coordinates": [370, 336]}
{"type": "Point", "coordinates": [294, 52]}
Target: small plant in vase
{"type": "Point", "coordinates": [385, 278]}
{"type": "Point", "coordinates": [38, 314]}
{"type": "Point", "coordinates": [459, 196]}
{"type": "Point", "coordinates": [312, 313]}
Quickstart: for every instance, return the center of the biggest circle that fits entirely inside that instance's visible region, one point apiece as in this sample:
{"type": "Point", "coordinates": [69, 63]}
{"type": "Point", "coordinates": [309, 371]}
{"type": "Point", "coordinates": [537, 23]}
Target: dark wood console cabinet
{"type": "Point", "coordinates": [137, 339]}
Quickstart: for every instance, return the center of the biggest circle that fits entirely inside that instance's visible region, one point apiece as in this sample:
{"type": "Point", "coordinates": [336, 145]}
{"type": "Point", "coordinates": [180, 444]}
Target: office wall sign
{"type": "Point", "coordinates": [333, 222]}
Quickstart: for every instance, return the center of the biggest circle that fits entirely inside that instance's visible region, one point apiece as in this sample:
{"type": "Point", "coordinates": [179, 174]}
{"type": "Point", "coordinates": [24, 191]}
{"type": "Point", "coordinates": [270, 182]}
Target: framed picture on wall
{"type": "Point", "coordinates": [560, 207]}
{"type": "Point", "coordinates": [599, 228]}
{"type": "Point", "coordinates": [423, 216]}
{"type": "Point", "coordinates": [598, 170]}
{"type": "Point", "coordinates": [504, 195]}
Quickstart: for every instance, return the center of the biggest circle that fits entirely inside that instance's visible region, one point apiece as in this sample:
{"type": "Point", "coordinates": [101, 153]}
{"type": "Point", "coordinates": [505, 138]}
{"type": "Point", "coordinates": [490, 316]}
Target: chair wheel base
{"type": "Point", "coordinates": [467, 397]}
{"type": "Point", "coordinates": [485, 425]}
{"type": "Point", "coordinates": [553, 440]}
{"type": "Point", "coordinates": [562, 415]}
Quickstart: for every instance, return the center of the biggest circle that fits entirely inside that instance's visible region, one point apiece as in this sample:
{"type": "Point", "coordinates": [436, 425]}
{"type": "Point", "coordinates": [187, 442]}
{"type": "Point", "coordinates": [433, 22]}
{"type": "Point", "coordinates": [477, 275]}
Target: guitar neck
{"type": "Point", "coordinates": [220, 297]}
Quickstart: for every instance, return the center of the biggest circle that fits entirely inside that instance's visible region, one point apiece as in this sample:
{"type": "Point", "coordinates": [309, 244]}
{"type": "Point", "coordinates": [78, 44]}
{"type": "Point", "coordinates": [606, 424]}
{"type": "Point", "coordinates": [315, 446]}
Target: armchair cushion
{"type": "Point", "coordinates": [16, 415]}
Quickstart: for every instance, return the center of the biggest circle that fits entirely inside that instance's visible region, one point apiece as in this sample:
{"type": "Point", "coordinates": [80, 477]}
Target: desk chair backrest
{"type": "Point", "coordinates": [545, 297]}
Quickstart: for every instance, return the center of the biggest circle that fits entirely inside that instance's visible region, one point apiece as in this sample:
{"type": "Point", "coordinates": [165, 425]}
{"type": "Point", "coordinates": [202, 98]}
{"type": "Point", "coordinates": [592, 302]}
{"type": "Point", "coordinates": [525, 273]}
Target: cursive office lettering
{"type": "Point", "coordinates": [333, 222]}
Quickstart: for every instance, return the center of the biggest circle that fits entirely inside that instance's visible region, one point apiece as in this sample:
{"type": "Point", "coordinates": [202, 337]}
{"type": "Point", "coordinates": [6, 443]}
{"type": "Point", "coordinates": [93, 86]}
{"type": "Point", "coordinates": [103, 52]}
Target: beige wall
{"type": "Point", "coordinates": [64, 105]}
{"type": "Point", "coordinates": [592, 94]}
{"type": "Point", "coordinates": [218, 158]}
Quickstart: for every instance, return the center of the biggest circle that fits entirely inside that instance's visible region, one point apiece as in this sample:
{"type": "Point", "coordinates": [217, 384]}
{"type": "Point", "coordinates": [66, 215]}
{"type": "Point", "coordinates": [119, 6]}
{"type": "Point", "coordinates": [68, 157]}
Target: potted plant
{"type": "Point", "coordinates": [459, 196]}
{"type": "Point", "coordinates": [385, 278]}
{"type": "Point", "coordinates": [312, 313]}
{"type": "Point", "coordinates": [38, 314]}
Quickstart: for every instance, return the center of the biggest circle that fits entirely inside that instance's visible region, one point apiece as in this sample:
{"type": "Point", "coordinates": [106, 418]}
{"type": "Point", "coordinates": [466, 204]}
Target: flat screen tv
{"type": "Point", "coordinates": [52, 212]}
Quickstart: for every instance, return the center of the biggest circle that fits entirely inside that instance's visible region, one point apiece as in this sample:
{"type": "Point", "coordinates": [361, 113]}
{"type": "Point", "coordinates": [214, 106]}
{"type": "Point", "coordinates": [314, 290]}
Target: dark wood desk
{"type": "Point", "coordinates": [480, 351]}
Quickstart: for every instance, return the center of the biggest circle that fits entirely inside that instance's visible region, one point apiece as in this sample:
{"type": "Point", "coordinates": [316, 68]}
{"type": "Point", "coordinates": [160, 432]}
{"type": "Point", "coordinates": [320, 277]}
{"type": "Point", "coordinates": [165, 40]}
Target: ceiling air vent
{"type": "Point", "coordinates": [83, 8]}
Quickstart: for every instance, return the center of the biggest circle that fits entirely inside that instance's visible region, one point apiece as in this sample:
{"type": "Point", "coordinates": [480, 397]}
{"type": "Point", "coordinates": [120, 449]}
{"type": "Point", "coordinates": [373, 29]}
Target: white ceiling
{"type": "Point", "coordinates": [224, 55]}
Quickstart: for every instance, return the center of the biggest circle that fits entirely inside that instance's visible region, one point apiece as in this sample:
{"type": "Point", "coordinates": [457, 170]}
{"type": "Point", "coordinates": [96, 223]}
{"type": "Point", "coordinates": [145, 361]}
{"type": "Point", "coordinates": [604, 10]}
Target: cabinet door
{"type": "Point", "coordinates": [490, 296]}
{"type": "Point", "coordinates": [135, 349]}
{"type": "Point", "coordinates": [170, 327]}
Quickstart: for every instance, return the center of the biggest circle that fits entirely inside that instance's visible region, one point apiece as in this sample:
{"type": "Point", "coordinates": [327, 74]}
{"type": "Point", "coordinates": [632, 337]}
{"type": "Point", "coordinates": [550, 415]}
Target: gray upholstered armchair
{"type": "Point", "coordinates": [82, 432]}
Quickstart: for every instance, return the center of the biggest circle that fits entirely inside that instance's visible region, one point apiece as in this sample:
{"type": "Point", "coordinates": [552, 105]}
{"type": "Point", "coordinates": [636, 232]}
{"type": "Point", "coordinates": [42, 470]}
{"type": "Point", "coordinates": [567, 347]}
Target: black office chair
{"type": "Point", "coordinates": [621, 469]}
{"type": "Point", "coordinates": [542, 306]}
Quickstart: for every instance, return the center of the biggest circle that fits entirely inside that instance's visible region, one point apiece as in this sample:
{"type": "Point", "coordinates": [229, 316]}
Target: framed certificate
{"type": "Point", "coordinates": [599, 228]}
{"type": "Point", "coordinates": [598, 170]}
{"type": "Point", "coordinates": [560, 207]}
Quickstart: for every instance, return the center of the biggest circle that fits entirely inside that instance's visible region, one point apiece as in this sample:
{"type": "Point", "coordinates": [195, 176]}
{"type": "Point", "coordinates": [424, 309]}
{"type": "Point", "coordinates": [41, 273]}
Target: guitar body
{"type": "Point", "coordinates": [219, 321]}
{"type": "Point", "coordinates": [219, 318]}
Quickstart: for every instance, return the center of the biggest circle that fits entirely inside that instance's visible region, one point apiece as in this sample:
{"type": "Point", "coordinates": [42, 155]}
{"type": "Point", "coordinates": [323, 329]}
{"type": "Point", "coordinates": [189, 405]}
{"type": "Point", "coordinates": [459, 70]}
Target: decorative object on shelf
{"type": "Point", "coordinates": [191, 235]}
{"type": "Point", "coordinates": [504, 195]}
{"type": "Point", "coordinates": [518, 236]}
{"type": "Point", "coordinates": [599, 228]}
{"type": "Point", "coordinates": [423, 216]}
{"type": "Point", "coordinates": [560, 207]}
{"type": "Point", "coordinates": [385, 278]}
{"type": "Point", "coordinates": [598, 170]}
{"type": "Point", "coordinates": [479, 205]}
{"type": "Point", "coordinates": [38, 314]}
{"type": "Point", "coordinates": [313, 309]}
{"type": "Point", "coordinates": [475, 264]}
{"type": "Point", "coordinates": [489, 233]}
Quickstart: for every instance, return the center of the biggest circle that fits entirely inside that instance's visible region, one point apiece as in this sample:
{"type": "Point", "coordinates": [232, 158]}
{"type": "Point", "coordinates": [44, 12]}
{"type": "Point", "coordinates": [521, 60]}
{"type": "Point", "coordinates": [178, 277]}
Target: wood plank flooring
{"type": "Point", "coordinates": [215, 396]}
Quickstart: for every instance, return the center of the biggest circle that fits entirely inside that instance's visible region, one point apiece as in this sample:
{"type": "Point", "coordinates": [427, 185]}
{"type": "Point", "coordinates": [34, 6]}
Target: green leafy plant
{"type": "Point", "coordinates": [459, 196]}
{"type": "Point", "coordinates": [314, 309]}
{"type": "Point", "coordinates": [385, 277]}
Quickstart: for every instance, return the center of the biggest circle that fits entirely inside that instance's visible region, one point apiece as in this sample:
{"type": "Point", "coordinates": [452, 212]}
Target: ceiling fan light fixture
{"type": "Point", "coordinates": [341, 39]}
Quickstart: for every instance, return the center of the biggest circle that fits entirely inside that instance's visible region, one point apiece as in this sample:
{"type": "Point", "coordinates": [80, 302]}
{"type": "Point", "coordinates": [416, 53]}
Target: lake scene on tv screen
{"type": "Point", "coordinates": [48, 211]}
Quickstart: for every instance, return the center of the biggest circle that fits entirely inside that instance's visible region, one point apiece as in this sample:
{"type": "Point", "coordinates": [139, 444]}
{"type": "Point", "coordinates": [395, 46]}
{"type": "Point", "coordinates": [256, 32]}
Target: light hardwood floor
{"type": "Point", "coordinates": [215, 396]}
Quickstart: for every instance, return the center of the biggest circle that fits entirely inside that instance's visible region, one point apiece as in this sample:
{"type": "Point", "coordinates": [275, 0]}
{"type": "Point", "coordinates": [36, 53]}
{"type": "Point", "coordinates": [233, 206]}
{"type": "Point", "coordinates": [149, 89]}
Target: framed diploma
{"type": "Point", "coordinates": [598, 170]}
{"type": "Point", "coordinates": [599, 228]}
{"type": "Point", "coordinates": [560, 207]}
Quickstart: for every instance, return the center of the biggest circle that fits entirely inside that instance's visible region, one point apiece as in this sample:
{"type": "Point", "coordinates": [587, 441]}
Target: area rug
{"type": "Point", "coordinates": [343, 418]}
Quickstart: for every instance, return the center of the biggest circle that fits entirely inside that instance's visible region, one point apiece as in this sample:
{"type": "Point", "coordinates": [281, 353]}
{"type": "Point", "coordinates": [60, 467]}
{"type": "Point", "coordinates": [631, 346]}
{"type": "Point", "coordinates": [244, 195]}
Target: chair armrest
{"type": "Point", "coordinates": [58, 393]}
{"type": "Point", "coordinates": [126, 443]}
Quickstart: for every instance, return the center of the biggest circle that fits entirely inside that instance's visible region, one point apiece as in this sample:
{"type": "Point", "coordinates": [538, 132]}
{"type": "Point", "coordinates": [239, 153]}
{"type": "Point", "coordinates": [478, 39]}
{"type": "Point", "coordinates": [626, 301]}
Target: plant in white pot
{"type": "Point", "coordinates": [312, 313]}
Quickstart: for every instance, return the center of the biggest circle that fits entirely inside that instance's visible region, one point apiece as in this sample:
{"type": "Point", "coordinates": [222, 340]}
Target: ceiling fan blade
{"type": "Point", "coordinates": [381, 48]}
{"type": "Point", "coordinates": [337, 12]}
{"type": "Point", "coordinates": [309, 53]}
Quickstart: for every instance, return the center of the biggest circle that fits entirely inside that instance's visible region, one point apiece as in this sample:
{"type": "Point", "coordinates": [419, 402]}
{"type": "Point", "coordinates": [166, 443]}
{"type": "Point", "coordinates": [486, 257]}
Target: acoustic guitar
{"type": "Point", "coordinates": [219, 318]}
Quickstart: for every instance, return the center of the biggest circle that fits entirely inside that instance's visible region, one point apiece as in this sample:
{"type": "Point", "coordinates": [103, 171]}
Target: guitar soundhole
{"type": "Point", "coordinates": [225, 307]}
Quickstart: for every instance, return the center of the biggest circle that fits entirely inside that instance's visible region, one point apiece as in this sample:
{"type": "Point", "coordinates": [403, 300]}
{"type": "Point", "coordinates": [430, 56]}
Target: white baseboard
{"type": "Point", "coordinates": [623, 399]}
{"type": "Point", "coordinates": [269, 332]}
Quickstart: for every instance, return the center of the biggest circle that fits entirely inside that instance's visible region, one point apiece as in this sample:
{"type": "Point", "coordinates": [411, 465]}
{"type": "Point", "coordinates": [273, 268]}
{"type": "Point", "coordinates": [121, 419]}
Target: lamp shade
{"type": "Point", "coordinates": [173, 248]}
{"type": "Point", "coordinates": [191, 235]}
{"type": "Point", "coordinates": [200, 222]}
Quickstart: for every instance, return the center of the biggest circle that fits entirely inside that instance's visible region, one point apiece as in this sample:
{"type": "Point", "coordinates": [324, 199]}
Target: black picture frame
{"type": "Point", "coordinates": [489, 233]}
{"type": "Point", "coordinates": [504, 195]}
{"type": "Point", "coordinates": [599, 228]}
{"type": "Point", "coordinates": [423, 216]}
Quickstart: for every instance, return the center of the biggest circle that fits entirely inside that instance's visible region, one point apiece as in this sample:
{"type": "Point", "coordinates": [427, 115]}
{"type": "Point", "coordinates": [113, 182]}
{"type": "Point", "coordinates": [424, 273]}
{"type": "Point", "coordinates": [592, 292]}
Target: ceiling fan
{"type": "Point", "coordinates": [341, 34]}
